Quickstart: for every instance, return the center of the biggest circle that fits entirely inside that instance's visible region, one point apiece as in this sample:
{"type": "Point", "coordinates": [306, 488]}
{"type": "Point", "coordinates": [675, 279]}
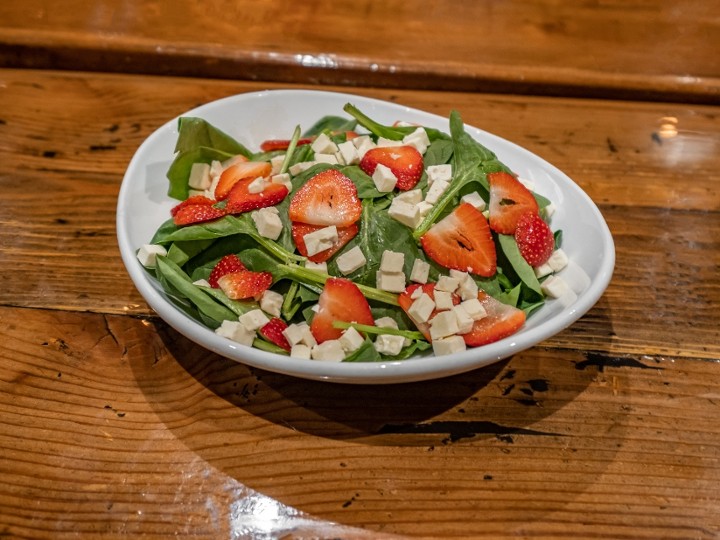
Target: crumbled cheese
{"type": "Point", "coordinates": [283, 179]}
{"type": "Point", "coordinates": [257, 185]}
{"type": "Point", "coordinates": [271, 302]}
{"type": "Point", "coordinates": [443, 324]}
{"type": "Point", "coordinates": [549, 210]}
{"type": "Point", "coordinates": [421, 309]}
{"type": "Point", "coordinates": [386, 322]}
{"type": "Point", "coordinates": [424, 208]}
{"type": "Point", "coordinates": [390, 281]}
{"type": "Point", "coordinates": [475, 199]}
{"type": "Point", "coordinates": [351, 340]}
{"type": "Point", "coordinates": [416, 293]}
{"type": "Point", "coordinates": [413, 196]}
{"type": "Point", "coordinates": [554, 287]}
{"type": "Point", "coordinates": [420, 271]}
{"type": "Point", "coordinates": [443, 300]}
{"type": "Point", "coordinates": [382, 142]}
{"type": "Point", "coordinates": [236, 331]}
{"type": "Point", "coordinates": [295, 333]}
{"type": "Point", "coordinates": [276, 162]}
{"type": "Point", "coordinates": [229, 162]}
{"type": "Point", "coordinates": [558, 260]}
{"type": "Point", "coordinates": [389, 344]}
{"type": "Point", "coordinates": [330, 159]}
{"type": "Point", "coordinates": [384, 179]}
{"type": "Point", "coordinates": [200, 176]}
{"type": "Point", "coordinates": [447, 283]}
{"type": "Point", "coordinates": [268, 223]}
{"type": "Point", "coordinates": [392, 261]}
{"type": "Point", "coordinates": [439, 172]}
{"type": "Point", "coordinates": [418, 139]}
{"type": "Point", "coordinates": [300, 350]}
{"type": "Point", "coordinates": [254, 319]}
{"type": "Point", "coordinates": [364, 147]}
{"type": "Point", "coordinates": [324, 145]}
{"type": "Point", "coordinates": [328, 351]}
{"type": "Point", "coordinates": [448, 345]}
{"type": "Point", "coordinates": [351, 260]}
{"type": "Point", "coordinates": [362, 140]}
{"type": "Point", "coordinates": [405, 213]}
{"type": "Point", "coordinates": [464, 320]}
{"type": "Point", "coordinates": [147, 254]}
{"type": "Point", "coordinates": [349, 153]}
{"type": "Point", "coordinates": [436, 190]}
{"type": "Point", "coordinates": [474, 309]}
{"type": "Point", "coordinates": [301, 167]}
{"type": "Point", "coordinates": [320, 240]}
{"type": "Point", "coordinates": [543, 270]}
{"type": "Point", "coordinates": [467, 288]}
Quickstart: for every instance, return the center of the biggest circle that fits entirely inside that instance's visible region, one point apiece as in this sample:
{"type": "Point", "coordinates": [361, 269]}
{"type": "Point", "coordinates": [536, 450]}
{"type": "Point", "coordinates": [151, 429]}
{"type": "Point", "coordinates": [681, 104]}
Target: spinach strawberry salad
{"type": "Point", "coordinates": [353, 241]}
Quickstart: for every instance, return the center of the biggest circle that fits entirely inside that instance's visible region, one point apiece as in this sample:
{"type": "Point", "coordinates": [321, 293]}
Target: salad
{"type": "Point", "coordinates": [354, 241]}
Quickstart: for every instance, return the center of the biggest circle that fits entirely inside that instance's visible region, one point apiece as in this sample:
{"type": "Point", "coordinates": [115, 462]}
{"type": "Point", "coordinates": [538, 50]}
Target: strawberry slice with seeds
{"type": "Point", "coordinates": [328, 198]}
{"type": "Point", "coordinates": [462, 241]}
{"type": "Point", "coordinates": [299, 230]}
{"type": "Point", "coordinates": [241, 199]}
{"type": "Point", "coordinates": [340, 300]}
{"type": "Point", "coordinates": [405, 162]}
{"type": "Point", "coordinates": [245, 284]}
{"type": "Point", "coordinates": [227, 265]}
{"type": "Point", "coordinates": [406, 300]}
{"type": "Point", "coordinates": [502, 320]}
{"type": "Point", "coordinates": [273, 332]}
{"type": "Point", "coordinates": [196, 213]}
{"type": "Point", "coordinates": [534, 238]}
{"type": "Point", "coordinates": [271, 145]}
{"type": "Point", "coordinates": [240, 171]}
{"type": "Point", "coordinates": [509, 199]}
{"type": "Point", "coordinates": [201, 200]}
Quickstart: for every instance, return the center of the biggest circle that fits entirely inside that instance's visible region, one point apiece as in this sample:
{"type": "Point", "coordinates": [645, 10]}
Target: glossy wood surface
{"type": "Point", "coordinates": [113, 424]}
{"type": "Point", "coordinates": [648, 49]}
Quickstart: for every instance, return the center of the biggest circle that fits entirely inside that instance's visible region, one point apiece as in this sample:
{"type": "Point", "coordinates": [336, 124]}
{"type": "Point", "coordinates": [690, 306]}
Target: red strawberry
{"type": "Point", "coordinates": [534, 238]}
{"type": "Point", "coordinates": [501, 321]}
{"type": "Point", "coordinates": [462, 241]}
{"type": "Point", "coordinates": [340, 300]}
{"type": "Point", "coordinates": [509, 200]}
{"type": "Point", "coordinates": [405, 300]}
{"type": "Point", "coordinates": [405, 162]}
{"type": "Point", "coordinates": [245, 284]}
{"type": "Point", "coordinates": [195, 199]}
{"type": "Point", "coordinates": [196, 213]}
{"type": "Point", "coordinates": [227, 265]}
{"type": "Point", "coordinates": [242, 200]}
{"type": "Point", "coordinates": [282, 144]}
{"type": "Point", "coordinates": [328, 198]}
{"type": "Point", "coordinates": [240, 171]}
{"type": "Point", "coordinates": [272, 331]}
{"type": "Point", "coordinates": [299, 230]}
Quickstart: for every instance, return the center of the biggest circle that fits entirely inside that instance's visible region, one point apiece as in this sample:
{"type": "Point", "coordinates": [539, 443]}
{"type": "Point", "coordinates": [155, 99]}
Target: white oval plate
{"type": "Point", "coordinates": [254, 117]}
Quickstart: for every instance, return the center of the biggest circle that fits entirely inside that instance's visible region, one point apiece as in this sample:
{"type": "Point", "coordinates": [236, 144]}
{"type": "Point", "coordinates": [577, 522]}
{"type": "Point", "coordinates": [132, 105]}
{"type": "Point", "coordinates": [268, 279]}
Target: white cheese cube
{"type": "Point", "coordinates": [549, 210]}
{"type": "Point", "coordinates": [424, 208]}
{"type": "Point", "coordinates": [257, 185]}
{"type": "Point", "coordinates": [349, 153]}
{"type": "Point", "coordinates": [558, 260]}
{"type": "Point", "coordinates": [300, 350]}
{"type": "Point", "coordinates": [364, 148]}
{"type": "Point", "coordinates": [436, 190]}
{"type": "Point", "coordinates": [323, 145]}
{"type": "Point", "coordinates": [307, 337]}
{"type": "Point", "coordinates": [543, 270]}
{"type": "Point", "coordinates": [389, 344]}
{"type": "Point", "coordinates": [447, 283]}
{"type": "Point", "coordinates": [283, 179]}
{"type": "Point", "coordinates": [413, 196]}
{"type": "Point", "coordinates": [351, 340]}
{"type": "Point", "coordinates": [475, 199]}
{"type": "Point", "coordinates": [320, 240]}
{"type": "Point", "coordinates": [474, 309]}
{"type": "Point", "coordinates": [326, 158]}
{"type": "Point", "coordinates": [200, 176]}
{"type": "Point", "coordinates": [439, 172]}
{"type": "Point", "coordinates": [361, 140]}
{"type": "Point", "coordinates": [443, 300]}
{"type": "Point", "coordinates": [147, 254]}
{"type": "Point", "coordinates": [295, 332]}
{"type": "Point", "coordinates": [271, 302]}
{"type": "Point", "coordinates": [421, 309]}
{"type": "Point", "coordinates": [351, 260]}
{"type": "Point", "coordinates": [405, 213]}
{"type": "Point", "coordinates": [254, 319]}
{"type": "Point", "coordinates": [443, 324]}
{"type": "Point", "coordinates": [448, 345]}
{"type": "Point", "coordinates": [328, 351]}
{"type": "Point", "coordinates": [236, 331]}
{"type": "Point", "coordinates": [420, 271]}
{"type": "Point", "coordinates": [384, 179]}
{"type": "Point", "coordinates": [554, 287]}
{"type": "Point", "coordinates": [229, 162]}
{"type": "Point", "coordinates": [390, 281]}
{"type": "Point", "coordinates": [318, 267]}
{"type": "Point", "coordinates": [268, 223]}
{"type": "Point", "coordinates": [201, 283]}
{"type": "Point", "coordinates": [467, 288]}
{"type": "Point", "coordinates": [416, 293]}
{"type": "Point", "coordinates": [216, 169]}
{"type": "Point", "coordinates": [301, 167]}
{"type": "Point", "coordinates": [276, 162]}
{"type": "Point", "coordinates": [382, 142]}
{"type": "Point", "coordinates": [386, 322]}
{"type": "Point", "coordinates": [464, 320]}
{"type": "Point", "coordinates": [392, 261]}
{"type": "Point", "coordinates": [418, 139]}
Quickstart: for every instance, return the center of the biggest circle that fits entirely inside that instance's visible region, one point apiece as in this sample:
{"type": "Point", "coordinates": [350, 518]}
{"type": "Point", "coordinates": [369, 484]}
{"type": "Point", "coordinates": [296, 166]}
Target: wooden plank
{"type": "Point", "coordinates": [115, 425]}
{"type": "Point", "coordinates": [640, 49]}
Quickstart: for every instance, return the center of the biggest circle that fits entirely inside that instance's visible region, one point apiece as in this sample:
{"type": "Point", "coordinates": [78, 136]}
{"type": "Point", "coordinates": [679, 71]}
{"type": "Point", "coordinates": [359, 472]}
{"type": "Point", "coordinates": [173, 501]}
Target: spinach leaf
{"type": "Point", "coordinates": [523, 270]}
{"type": "Point", "coordinates": [331, 123]}
{"type": "Point", "coordinates": [393, 133]}
{"type": "Point", "coordinates": [238, 307]}
{"type": "Point", "coordinates": [182, 252]}
{"type": "Point", "coordinates": [365, 353]}
{"type": "Point", "coordinates": [364, 184]}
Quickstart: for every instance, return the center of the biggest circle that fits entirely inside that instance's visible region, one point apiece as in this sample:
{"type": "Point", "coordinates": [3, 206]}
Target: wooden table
{"type": "Point", "coordinates": [113, 424]}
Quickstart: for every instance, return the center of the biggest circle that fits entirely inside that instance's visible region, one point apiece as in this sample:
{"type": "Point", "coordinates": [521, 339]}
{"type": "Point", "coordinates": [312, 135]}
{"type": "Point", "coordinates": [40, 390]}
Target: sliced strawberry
{"type": "Point", "coordinates": [245, 284]}
{"type": "Point", "coordinates": [196, 213]}
{"type": "Point", "coordinates": [405, 300]}
{"type": "Point", "coordinates": [272, 331]}
{"type": "Point", "coordinates": [240, 171]}
{"type": "Point", "coordinates": [509, 200]}
{"type": "Point", "coordinates": [462, 241]}
{"type": "Point", "coordinates": [282, 144]}
{"type": "Point", "coordinates": [227, 265]}
{"type": "Point", "coordinates": [195, 199]}
{"type": "Point", "coordinates": [299, 230]}
{"type": "Point", "coordinates": [242, 200]}
{"type": "Point", "coordinates": [328, 198]}
{"type": "Point", "coordinates": [534, 238]}
{"type": "Point", "coordinates": [501, 321]}
{"type": "Point", "coordinates": [340, 300]}
{"type": "Point", "coordinates": [405, 162]}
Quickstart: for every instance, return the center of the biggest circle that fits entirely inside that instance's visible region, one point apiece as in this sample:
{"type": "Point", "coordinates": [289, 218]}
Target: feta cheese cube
{"type": "Point", "coordinates": [268, 223]}
{"type": "Point", "coordinates": [420, 271]}
{"type": "Point", "coordinates": [475, 199]}
{"type": "Point", "coordinates": [349, 153]}
{"type": "Point", "coordinates": [421, 309]}
{"type": "Point", "coordinates": [271, 302]}
{"type": "Point", "coordinates": [200, 176]}
{"type": "Point", "coordinates": [386, 322]}
{"type": "Point", "coordinates": [464, 320]}
{"type": "Point", "coordinates": [390, 281]}
{"type": "Point", "coordinates": [448, 345]}
{"type": "Point", "coordinates": [416, 293]}
{"type": "Point", "coordinates": [257, 185]}
{"type": "Point", "coordinates": [276, 162]}
{"type": "Point", "coordinates": [443, 324]}
{"type": "Point", "coordinates": [436, 190]}
{"type": "Point", "coordinates": [351, 260]}
{"type": "Point", "coordinates": [405, 213]}
{"type": "Point", "coordinates": [318, 267]}
{"type": "Point", "coordinates": [254, 319]}
{"type": "Point", "coordinates": [382, 142]}
{"type": "Point", "coordinates": [439, 172]}
{"type": "Point", "coordinates": [328, 351]}
{"type": "Point", "coordinates": [300, 350]}
{"type": "Point", "coordinates": [554, 287]}
{"type": "Point", "coordinates": [384, 179]}
{"type": "Point", "coordinates": [392, 261]}
{"type": "Point", "coordinates": [147, 254]}
{"type": "Point", "coordinates": [389, 344]}
{"type": "Point", "coordinates": [543, 270]}
{"type": "Point", "coordinates": [216, 169]}
{"type": "Point", "coordinates": [320, 240]}
{"type": "Point", "coordinates": [295, 332]}
{"type": "Point", "coordinates": [229, 162]}
{"type": "Point", "coordinates": [237, 332]}
{"type": "Point", "coordinates": [558, 260]}
{"type": "Point", "coordinates": [447, 283]}
{"type": "Point", "coordinates": [467, 288]}
{"type": "Point", "coordinates": [361, 140]}
{"type": "Point", "coordinates": [424, 208]}
{"type": "Point", "coordinates": [418, 139]}
{"type": "Point", "coordinates": [474, 309]}
{"type": "Point", "coordinates": [301, 167]}
{"type": "Point", "coordinates": [283, 179]}
{"type": "Point", "coordinates": [413, 196]}
{"type": "Point", "coordinates": [443, 300]}
{"type": "Point", "coordinates": [351, 340]}
{"type": "Point", "coordinates": [549, 210]}
{"type": "Point", "coordinates": [326, 158]}
{"type": "Point", "coordinates": [323, 145]}
{"type": "Point", "coordinates": [364, 148]}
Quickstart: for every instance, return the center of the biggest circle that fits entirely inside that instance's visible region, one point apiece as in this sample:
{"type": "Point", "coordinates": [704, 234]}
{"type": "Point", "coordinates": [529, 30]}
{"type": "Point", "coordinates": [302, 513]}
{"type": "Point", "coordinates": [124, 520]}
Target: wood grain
{"type": "Point", "coordinates": [117, 425]}
{"type": "Point", "coordinates": [640, 49]}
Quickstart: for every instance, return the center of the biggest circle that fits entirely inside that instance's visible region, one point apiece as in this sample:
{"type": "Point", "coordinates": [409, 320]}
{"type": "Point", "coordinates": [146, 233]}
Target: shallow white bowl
{"type": "Point", "coordinates": [251, 118]}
